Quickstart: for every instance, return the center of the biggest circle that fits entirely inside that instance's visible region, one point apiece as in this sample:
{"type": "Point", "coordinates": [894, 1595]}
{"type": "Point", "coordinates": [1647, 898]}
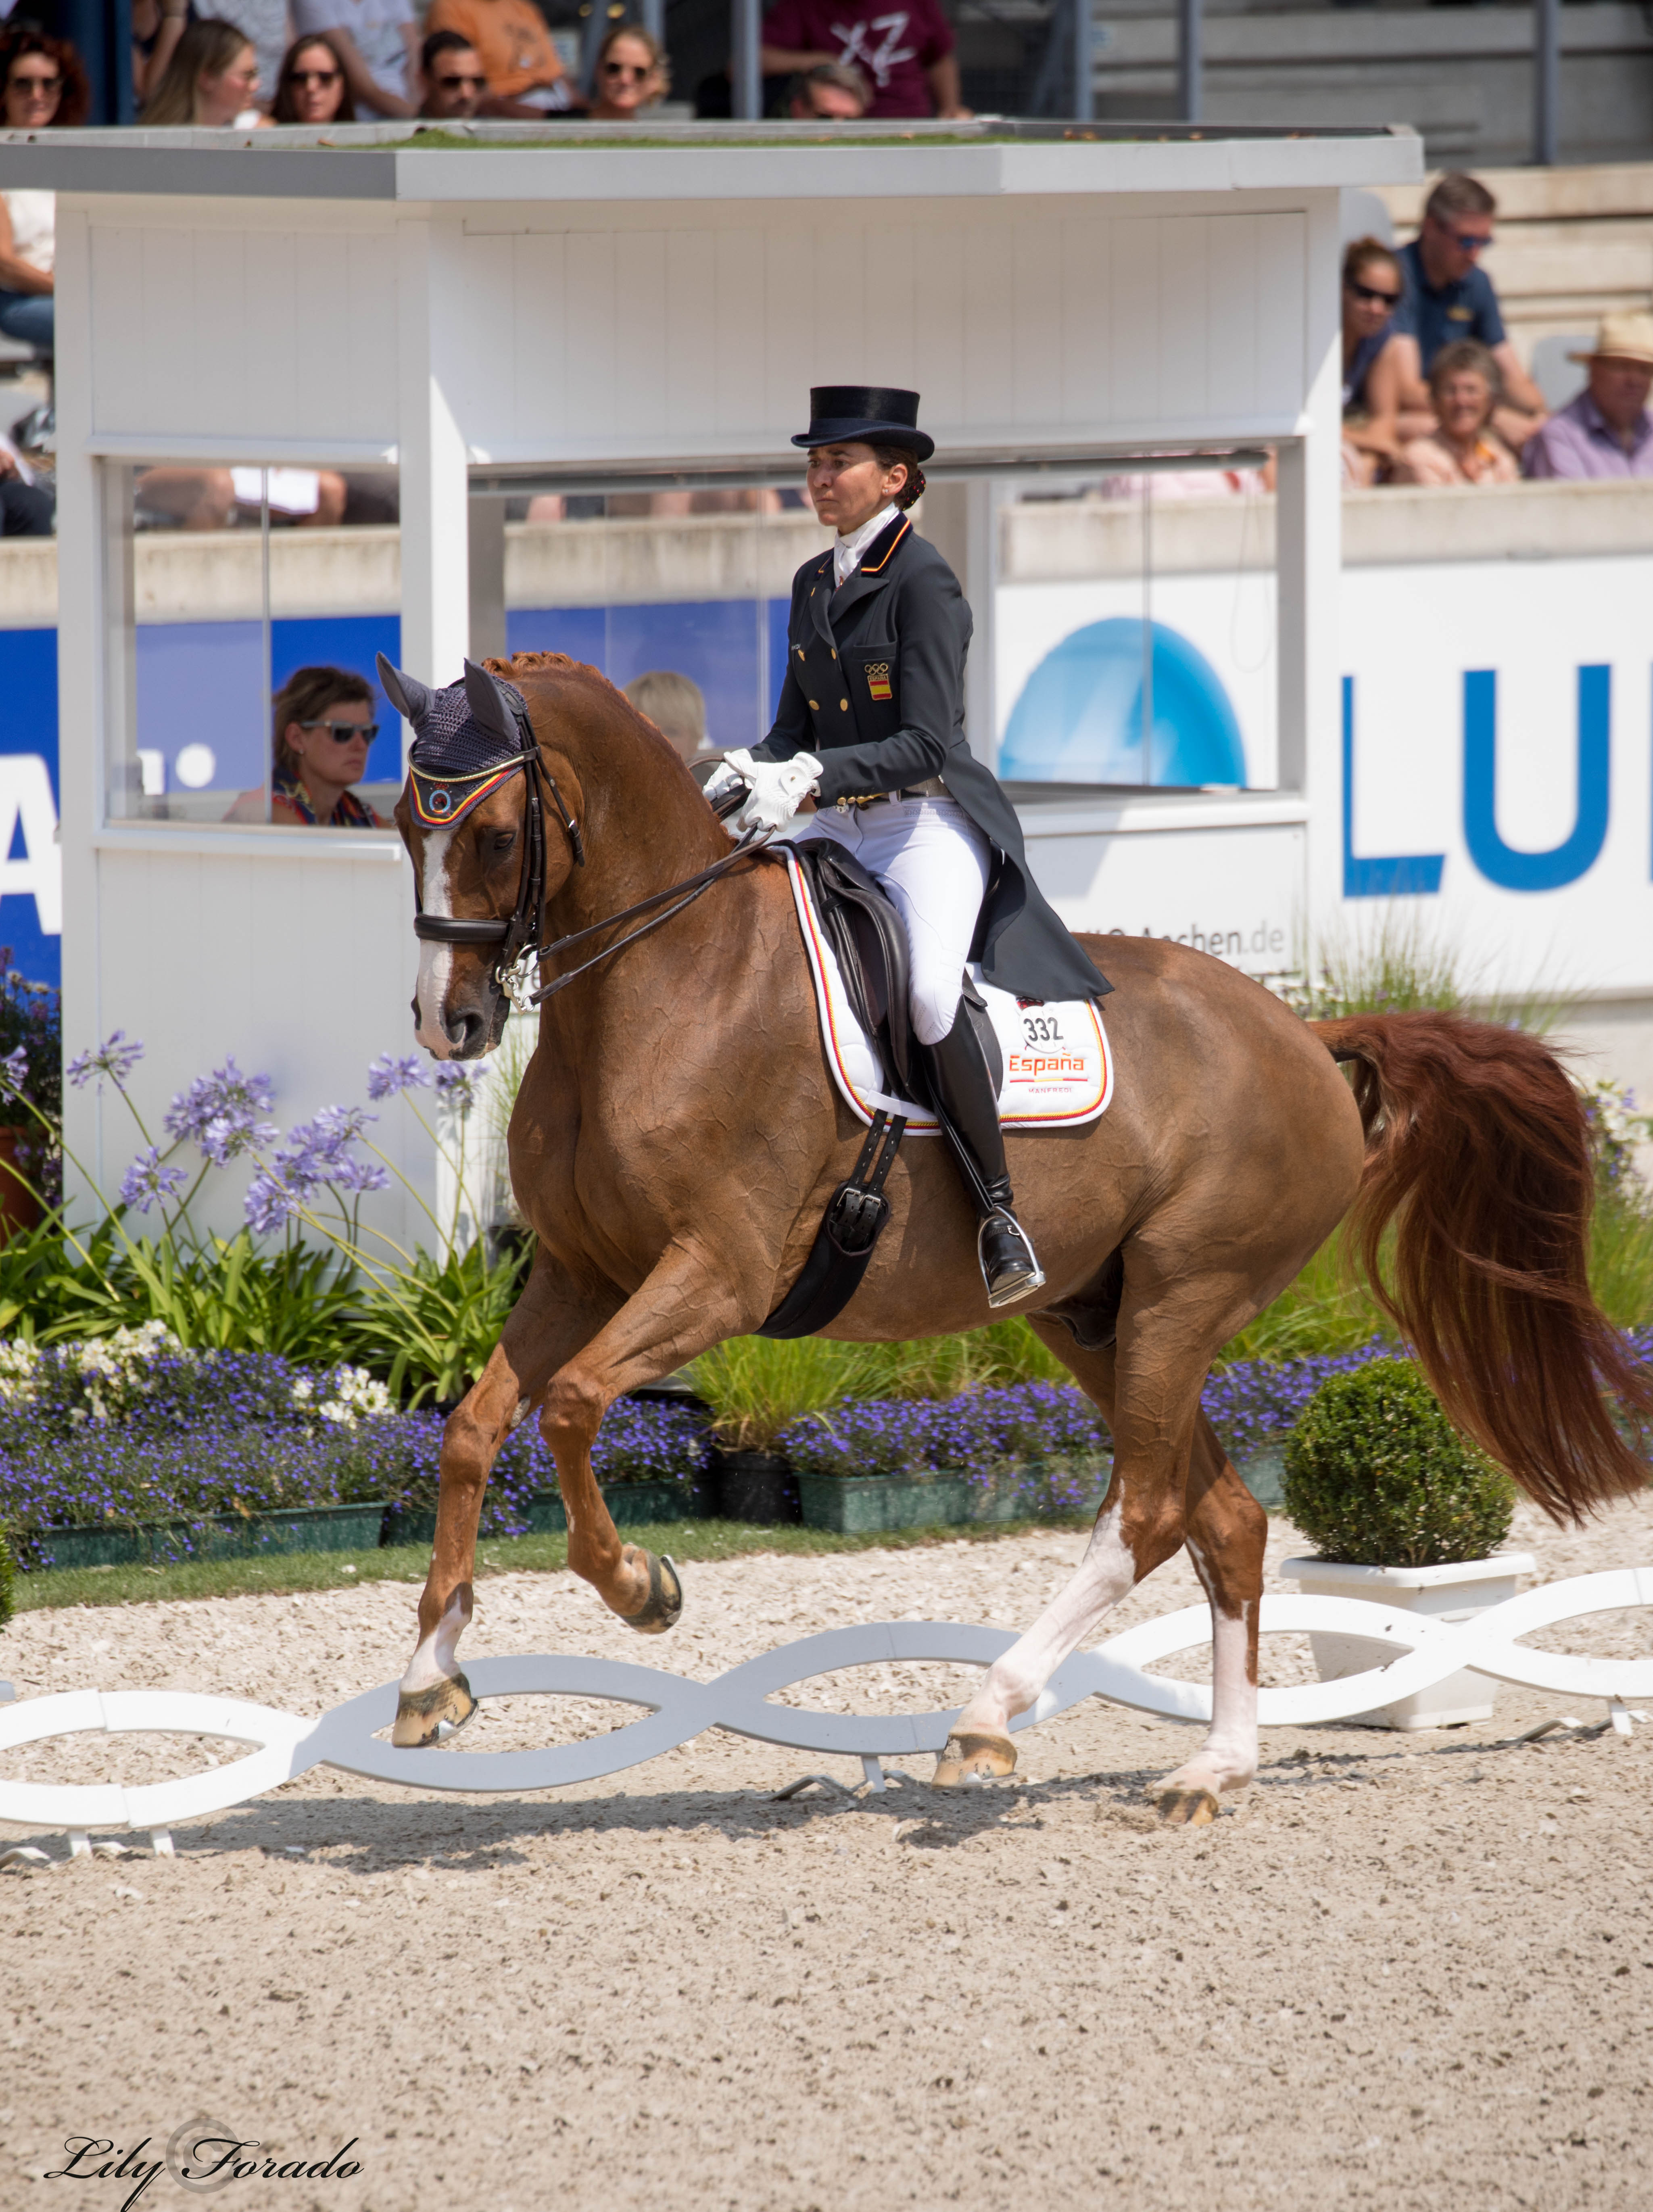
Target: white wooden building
{"type": "Point", "coordinates": [588, 320]}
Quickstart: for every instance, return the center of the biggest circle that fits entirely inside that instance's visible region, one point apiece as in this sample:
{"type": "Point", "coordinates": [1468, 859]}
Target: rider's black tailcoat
{"type": "Point", "coordinates": [875, 688]}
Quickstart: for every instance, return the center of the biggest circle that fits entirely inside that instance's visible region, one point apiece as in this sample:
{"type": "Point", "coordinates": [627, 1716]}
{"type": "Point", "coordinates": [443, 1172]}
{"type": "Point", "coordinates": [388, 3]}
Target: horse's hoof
{"type": "Point", "coordinates": [972, 1759]}
{"type": "Point", "coordinates": [1181, 1807]}
{"type": "Point", "coordinates": [429, 1716]}
{"type": "Point", "coordinates": [665, 1602]}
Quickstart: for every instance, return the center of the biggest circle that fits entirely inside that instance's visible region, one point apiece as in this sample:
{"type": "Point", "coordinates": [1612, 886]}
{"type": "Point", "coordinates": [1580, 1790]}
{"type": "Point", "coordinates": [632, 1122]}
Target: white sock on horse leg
{"type": "Point", "coordinates": [437, 1659]}
{"type": "Point", "coordinates": [1105, 1574]}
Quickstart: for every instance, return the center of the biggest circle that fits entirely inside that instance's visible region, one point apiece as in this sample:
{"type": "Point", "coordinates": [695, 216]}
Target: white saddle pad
{"type": "Point", "coordinates": [1059, 1071]}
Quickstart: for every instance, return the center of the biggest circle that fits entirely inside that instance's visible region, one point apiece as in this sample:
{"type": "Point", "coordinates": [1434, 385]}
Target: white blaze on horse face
{"type": "Point", "coordinates": [1105, 1574]}
{"type": "Point", "coordinates": [435, 961]}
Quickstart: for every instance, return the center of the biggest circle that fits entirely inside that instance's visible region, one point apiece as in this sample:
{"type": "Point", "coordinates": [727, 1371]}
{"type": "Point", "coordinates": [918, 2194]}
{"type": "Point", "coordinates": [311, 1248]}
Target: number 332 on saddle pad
{"type": "Point", "coordinates": [1057, 1066]}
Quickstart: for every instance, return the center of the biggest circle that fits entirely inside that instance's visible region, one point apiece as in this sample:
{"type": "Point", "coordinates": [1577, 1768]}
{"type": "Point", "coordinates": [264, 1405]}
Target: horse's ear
{"type": "Point", "coordinates": [489, 704]}
{"type": "Point", "coordinates": [406, 693]}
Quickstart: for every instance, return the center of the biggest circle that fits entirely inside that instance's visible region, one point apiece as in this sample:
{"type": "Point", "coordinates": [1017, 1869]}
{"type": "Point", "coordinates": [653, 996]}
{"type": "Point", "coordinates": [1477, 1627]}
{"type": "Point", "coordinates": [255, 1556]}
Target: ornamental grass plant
{"type": "Point", "coordinates": [1376, 1476]}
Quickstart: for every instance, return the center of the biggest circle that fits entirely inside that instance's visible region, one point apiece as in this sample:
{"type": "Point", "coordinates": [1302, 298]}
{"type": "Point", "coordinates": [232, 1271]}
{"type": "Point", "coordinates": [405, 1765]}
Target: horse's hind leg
{"type": "Point", "coordinates": [1227, 1534]}
{"type": "Point", "coordinates": [543, 1330]}
{"type": "Point", "coordinates": [1139, 1524]}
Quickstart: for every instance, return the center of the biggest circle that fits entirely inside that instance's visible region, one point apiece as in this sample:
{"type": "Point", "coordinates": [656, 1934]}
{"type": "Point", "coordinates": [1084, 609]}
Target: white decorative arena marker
{"type": "Point", "coordinates": [678, 1710]}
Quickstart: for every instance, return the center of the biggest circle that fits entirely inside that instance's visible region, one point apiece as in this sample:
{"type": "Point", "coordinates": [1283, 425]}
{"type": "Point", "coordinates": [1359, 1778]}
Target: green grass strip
{"type": "Point", "coordinates": [283, 1574]}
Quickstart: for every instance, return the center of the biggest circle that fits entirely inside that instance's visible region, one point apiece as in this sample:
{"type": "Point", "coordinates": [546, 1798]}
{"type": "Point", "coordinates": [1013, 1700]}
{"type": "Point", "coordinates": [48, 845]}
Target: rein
{"type": "Point", "coordinates": [519, 955]}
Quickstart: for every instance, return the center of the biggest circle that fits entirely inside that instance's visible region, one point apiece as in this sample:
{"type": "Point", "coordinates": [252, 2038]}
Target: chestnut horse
{"type": "Point", "coordinates": [678, 1135]}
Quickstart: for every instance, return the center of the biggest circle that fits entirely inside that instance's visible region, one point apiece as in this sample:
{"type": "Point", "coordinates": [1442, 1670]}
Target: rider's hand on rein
{"type": "Point", "coordinates": [775, 789]}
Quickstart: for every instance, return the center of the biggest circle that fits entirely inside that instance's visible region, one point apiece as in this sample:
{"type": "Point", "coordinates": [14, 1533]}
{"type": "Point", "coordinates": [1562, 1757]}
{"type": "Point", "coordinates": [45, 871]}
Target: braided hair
{"type": "Point", "coordinates": [897, 457]}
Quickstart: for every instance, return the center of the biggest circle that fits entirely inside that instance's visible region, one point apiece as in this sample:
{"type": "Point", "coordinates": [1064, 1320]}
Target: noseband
{"type": "Point", "coordinates": [516, 936]}
{"type": "Point", "coordinates": [516, 971]}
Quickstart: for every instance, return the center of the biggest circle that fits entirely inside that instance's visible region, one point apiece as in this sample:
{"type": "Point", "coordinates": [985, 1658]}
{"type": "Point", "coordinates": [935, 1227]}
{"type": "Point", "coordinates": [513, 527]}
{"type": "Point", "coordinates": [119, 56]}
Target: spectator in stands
{"type": "Point", "coordinates": [1464, 448]}
{"type": "Point", "coordinates": [212, 499]}
{"type": "Point", "coordinates": [322, 730]}
{"type": "Point", "coordinates": [1449, 298]}
{"type": "Point", "coordinates": [1372, 290]}
{"type": "Point", "coordinates": [313, 85]}
{"type": "Point", "coordinates": [27, 509]}
{"type": "Point", "coordinates": [675, 704]}
{"type": "Point", "coordinates": [906, 53]}
{"type": "Point", "coordinates": [42, 86]}
{"type": "Point", "coordinates": [210, 82]}
{"type": "Point", "coordinates": [1606, 431]}
{"type": "Point", "coordinates": [631, 75]}
{"type": "Point", "coordinates": [451, 74]}
{"type": "Point", "coordinates": [376, 42]}
{"type": "Point", "coordinates": [525, 74]}
{"type": "Point", "coordinates": [831, 92]}
{"type": "Point", "coordinates": [157, 26]}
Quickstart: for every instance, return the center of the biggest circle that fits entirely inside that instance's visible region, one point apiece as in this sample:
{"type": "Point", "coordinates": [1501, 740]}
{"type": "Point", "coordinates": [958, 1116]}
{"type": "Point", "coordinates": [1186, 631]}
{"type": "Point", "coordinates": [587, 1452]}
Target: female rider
{"type": "Point", "coordinates": [871, 725]}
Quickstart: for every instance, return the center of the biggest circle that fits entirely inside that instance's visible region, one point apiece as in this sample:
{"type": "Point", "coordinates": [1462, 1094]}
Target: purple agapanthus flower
{"type": "Point", "coordinates": [116, 1057]}
{"type": "Point", "coordinates": [270, 1204]}
{"type": "Point", "coordinates": [13, 1069]}
{"type": "Point", "coordinates": [220, 1112]}
{"type": "Point", "coordinates": [318, 1151]}
{"type": "Point", "coordinates": [147, 1180]}
{"type": "Point", "coordinates": [388, 1075]}
{"type": "Point", "coordinates": [460, 1086]}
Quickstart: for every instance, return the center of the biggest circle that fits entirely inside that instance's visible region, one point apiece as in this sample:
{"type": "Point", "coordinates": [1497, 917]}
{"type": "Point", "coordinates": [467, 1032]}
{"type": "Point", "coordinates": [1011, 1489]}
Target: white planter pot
{"type": "Point", "coordinates": [1458, 1592]}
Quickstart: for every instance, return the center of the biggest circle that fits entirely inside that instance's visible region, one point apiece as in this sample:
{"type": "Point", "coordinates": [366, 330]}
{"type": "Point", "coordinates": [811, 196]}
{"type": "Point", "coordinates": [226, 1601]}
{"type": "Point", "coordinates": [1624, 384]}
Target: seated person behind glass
{"type": "Point", "coordinates": [676, 706]}
{"type": "Point", "coordinates": [323, 730]}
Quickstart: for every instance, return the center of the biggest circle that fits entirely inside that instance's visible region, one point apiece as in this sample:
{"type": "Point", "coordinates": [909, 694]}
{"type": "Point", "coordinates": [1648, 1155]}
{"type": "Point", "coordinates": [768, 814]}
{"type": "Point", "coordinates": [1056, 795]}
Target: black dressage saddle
{"type": "Point", "coordinates": [869, 940]}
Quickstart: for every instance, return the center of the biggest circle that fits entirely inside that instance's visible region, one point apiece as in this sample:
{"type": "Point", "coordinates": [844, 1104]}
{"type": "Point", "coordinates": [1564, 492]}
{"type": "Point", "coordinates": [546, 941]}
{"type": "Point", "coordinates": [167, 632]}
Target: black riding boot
{"type": "Point", "coordinates": [962, 1087]}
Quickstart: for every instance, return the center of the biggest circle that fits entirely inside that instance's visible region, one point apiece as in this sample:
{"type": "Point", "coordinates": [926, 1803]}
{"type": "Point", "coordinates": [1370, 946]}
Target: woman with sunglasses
{"type": "Point", "coordinates": [322, 728]}
{"type": "Point", "coordinates": [1373, 289]}
{"type": "Point", "coordinates": [631, 75]}
{"type": "Point", "coordinates": [43, 86]}
{"type": "Point", "coordinates": [311, 86]}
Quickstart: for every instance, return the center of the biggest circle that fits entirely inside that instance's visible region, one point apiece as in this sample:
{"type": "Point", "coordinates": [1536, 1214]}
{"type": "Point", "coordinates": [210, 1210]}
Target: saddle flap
{"type": "Point", "coordinates": [870, 943]}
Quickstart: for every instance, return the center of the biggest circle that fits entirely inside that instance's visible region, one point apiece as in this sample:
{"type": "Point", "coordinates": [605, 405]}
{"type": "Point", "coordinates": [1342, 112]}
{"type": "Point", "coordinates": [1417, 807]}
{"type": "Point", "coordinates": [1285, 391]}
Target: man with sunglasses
{"type": "Point", "coordinates": [323, 731]}
{"type": "Point", "coordinates": [1450, 297]}
{"type": "Point", "coordinates": [519, 59]}
{"type": "Point", "coordinates": [454, 79]}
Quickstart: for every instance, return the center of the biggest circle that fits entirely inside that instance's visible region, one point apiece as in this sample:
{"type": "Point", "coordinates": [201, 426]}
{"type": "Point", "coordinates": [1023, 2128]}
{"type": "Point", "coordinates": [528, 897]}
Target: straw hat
{"type": "Point", "coordinates": [1622, 338]}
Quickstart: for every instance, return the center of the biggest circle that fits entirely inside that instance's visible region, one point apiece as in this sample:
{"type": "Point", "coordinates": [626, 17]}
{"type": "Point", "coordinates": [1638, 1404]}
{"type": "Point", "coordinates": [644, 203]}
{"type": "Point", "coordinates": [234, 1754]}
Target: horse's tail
{"type": "Point", "coordinates": [1479, 1152]}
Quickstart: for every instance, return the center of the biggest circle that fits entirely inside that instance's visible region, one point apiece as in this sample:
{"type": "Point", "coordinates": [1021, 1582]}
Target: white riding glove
{"type": "Point", "coordinates": [775, 789]}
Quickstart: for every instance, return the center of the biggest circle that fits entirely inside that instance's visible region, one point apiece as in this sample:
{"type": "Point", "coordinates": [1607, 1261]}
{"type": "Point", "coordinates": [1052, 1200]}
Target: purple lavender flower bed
{"type": "Point", "coordinates": [148, 1434]}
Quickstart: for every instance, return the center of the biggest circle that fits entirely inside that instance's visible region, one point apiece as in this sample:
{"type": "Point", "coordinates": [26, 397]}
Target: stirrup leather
{"type": "Point", "coordinates": [1016, 1273]}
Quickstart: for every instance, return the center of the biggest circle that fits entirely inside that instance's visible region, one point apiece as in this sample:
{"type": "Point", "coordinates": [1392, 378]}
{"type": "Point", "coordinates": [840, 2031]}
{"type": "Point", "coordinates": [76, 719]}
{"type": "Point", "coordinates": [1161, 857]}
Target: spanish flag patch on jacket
{"type": "Point", "coordinates": [877, 678]}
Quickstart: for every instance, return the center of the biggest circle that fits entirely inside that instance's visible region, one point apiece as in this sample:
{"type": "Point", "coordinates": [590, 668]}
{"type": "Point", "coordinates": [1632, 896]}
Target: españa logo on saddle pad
{"type": "Point", "coordinates": [877, 678]}
{"type": "Point", "coordinates": [1058, 1066]}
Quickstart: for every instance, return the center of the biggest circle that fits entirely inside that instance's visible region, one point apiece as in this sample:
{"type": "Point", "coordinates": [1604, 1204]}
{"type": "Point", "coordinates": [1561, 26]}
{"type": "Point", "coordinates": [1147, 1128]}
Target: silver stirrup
{"type": "Point", "coordinates": [1008, 1293]}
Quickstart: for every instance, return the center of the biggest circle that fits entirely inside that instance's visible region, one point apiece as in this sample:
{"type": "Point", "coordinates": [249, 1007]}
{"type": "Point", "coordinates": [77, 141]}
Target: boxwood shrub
{"type": "Point", "coordinates": [1376, 1474]}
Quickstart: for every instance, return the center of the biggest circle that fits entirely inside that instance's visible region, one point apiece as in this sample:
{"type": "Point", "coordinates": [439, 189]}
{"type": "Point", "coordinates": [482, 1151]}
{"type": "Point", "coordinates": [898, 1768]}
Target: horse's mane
{"type": "Point", "coordinates": [609, 693]}
{"type": "Point", "coordinates": [663, 768]}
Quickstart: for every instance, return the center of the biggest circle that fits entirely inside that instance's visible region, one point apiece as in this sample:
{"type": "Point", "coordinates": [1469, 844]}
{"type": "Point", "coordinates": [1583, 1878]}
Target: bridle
{"type": "Point", "coordinates": [521, 949]}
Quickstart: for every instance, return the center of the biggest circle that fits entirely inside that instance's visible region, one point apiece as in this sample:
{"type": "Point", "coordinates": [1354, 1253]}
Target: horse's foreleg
{"type": "Point", "coordinates": [1227, 1535]}
{"type": "Point", "coordinates": [435, 1697]}
{"type": "Point", "coordinates": [677, 1312]}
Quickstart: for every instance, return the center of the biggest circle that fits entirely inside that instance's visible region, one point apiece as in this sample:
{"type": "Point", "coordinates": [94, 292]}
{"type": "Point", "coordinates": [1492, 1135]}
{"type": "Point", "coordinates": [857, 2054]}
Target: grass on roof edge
{"type": "Point", "coordinates": [289, 1573]}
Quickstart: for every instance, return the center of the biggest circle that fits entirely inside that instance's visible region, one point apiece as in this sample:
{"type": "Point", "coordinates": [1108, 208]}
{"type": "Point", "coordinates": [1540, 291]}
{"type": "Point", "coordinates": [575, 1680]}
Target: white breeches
{"type": "Point", "coordinates": [933, 862]}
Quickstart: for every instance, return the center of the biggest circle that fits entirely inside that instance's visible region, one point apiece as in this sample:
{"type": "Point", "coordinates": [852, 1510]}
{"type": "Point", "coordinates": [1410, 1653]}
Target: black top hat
{"type": "Point", "coordinates": [865, 415]}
